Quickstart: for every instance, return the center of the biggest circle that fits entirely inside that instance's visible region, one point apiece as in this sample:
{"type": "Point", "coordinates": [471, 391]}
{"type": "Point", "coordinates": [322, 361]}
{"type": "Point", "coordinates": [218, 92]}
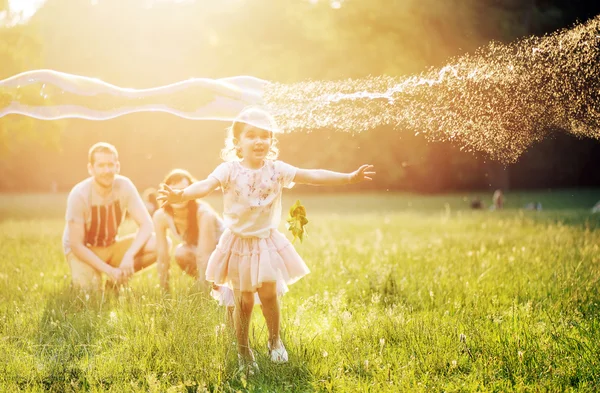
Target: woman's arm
{"type": "Point", "coordinates": [162, 248]}
{"type": "Point", "coordinates": [323, 177]}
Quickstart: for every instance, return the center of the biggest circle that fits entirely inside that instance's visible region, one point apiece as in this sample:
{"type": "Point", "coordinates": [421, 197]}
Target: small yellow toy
{"type": "Point", "coordinates": [297, 220]}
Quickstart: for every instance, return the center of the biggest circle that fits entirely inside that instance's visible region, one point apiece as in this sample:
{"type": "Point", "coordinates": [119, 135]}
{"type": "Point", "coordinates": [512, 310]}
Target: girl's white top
{"type": "Point", "coordinates": [252, 197]}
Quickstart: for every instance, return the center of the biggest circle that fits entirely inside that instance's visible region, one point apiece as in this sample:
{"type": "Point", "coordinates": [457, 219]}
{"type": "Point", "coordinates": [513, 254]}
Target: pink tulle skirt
{"type": "Point", "coordinates": [224, 295]}
{"type": "Point", "coordinates": [244, 263]}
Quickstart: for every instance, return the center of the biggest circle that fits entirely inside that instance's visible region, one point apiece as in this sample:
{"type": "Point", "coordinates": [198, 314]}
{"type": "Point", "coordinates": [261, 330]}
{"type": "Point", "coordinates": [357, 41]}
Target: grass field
{"type": "Point", "coordinates": [406, 293]}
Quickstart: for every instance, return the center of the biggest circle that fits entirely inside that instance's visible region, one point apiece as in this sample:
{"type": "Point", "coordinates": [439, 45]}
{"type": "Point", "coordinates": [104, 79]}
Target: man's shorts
{"type": "Point", "coordinates": [85, 276]}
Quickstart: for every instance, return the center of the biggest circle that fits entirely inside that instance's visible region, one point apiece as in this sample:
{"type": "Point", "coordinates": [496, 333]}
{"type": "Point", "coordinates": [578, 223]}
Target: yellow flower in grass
{"type": "Point", "coordinates": [297, 220]}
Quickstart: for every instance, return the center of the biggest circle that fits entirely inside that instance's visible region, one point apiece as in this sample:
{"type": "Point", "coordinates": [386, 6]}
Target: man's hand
{"type": "Point", "coordinates": [114, 274]}
{"type": "Point", "coordinates": [127, 265]}
{"type": "Point", "coordinates": [365, 172]}
{"type": "Point", "coordinates": [168, 195]}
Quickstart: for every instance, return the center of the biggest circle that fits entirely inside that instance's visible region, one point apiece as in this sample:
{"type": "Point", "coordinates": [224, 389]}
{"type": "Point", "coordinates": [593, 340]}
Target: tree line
{"type": "Point", "coordinates": [145, 43]}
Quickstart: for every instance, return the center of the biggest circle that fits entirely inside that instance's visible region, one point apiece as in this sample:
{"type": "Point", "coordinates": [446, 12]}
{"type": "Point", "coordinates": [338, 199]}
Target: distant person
{"type": "Point", "coordinates": [497, 200]}
{"type": "Point", "coordinates": [533, 206]}
{"type": "Point", "coordinates": [95, 210]}
{"type": "Point", "coordinates": [476, 204]}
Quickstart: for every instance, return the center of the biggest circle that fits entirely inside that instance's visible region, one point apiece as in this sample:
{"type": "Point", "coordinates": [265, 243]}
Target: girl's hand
{"type": "Point", "coordinates": [168, 195]}
{"type": "Point", "coordinates": [365, 172]}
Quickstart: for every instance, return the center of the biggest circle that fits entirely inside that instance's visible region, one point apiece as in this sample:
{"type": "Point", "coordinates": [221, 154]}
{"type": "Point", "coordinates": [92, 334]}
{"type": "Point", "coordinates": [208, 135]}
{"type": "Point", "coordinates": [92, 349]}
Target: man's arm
{"type": "Point", "coordinates": [140, 215]}
{"type": "Point", "coordinates": [323, 177]}
{"type": "Point", "coordinates": [83, 253]}
{"type": "Point", "coordinates": [162, 248]}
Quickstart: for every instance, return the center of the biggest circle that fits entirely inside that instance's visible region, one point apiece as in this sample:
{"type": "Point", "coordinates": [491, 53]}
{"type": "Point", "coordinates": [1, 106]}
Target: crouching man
{"type": "Point", "coordinates": [95, 210]}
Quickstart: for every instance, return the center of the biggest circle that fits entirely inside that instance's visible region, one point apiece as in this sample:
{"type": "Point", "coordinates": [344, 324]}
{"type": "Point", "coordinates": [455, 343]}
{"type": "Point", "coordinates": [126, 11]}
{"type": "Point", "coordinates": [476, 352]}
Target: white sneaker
{"type": "Point", "coordinates": [278, 355]}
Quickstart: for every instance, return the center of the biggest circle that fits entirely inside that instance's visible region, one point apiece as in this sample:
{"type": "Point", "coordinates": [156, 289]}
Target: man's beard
{"type": "Point", "coordinates": [105, 183]}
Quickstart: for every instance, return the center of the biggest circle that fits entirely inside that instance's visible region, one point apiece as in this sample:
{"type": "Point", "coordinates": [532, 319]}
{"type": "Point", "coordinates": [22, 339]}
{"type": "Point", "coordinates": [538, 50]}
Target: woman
{"type": "Point", "coordinates": [197, 228]}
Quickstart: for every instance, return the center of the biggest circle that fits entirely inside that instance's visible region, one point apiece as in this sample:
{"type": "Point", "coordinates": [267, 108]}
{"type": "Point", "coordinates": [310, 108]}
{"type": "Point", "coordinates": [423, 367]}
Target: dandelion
{"type": "Point", "coordinates": [325, 354]}
{"type": "Point", "coordinates": [346, 316]}
{"type": "Point", "coordinates": [520, 355]}
{"type": "Point", "coordinates": [453, 364]}
{"type": "Point", "coordinates": [112, 317]}
{"type": "Point", "coordinates": [375, 298]}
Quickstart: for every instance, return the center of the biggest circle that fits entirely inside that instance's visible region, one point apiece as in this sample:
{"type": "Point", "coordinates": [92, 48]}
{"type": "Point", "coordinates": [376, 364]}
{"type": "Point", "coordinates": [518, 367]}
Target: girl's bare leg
{"type": "Point", "coordinates": [270, 308]}
{"type": "Point", "coordinates": [244, 303]}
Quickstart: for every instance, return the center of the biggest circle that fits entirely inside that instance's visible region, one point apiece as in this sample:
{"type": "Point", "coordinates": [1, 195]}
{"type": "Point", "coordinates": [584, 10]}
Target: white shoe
{"type": "Point", "coordinates": [278, 355]}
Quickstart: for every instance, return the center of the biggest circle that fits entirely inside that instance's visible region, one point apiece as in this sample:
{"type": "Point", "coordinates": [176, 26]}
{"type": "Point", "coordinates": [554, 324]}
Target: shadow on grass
{"type": "Point", "coordinates": [70, 329]}
{"type": "Point", "coordinates": [293, 376]}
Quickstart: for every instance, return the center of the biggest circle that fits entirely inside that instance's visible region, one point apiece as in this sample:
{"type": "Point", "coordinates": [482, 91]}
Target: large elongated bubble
{"type": "Point", "coordinates": [51, 95]}
{"type": "Point", "coordinates": [498, 100]}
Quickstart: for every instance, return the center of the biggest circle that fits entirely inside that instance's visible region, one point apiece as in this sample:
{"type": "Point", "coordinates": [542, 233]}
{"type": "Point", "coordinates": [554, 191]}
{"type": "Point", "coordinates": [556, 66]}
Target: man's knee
{"type": "Point", "coordinates": [83, 276]}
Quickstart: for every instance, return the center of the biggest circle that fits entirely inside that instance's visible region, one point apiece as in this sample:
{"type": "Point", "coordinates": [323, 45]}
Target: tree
{"type": "Point", "coordinates": [146, 43]}
{"type": "Point", "coordinates": [20, 50]}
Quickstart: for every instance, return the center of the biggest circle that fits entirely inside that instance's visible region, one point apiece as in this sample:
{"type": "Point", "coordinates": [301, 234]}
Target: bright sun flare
{"type": "Point", "coordinates": [25, 7]}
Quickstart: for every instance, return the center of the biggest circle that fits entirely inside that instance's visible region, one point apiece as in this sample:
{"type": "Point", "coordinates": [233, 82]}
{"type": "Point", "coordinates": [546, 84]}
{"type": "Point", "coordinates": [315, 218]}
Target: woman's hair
{"type": "Point", "coordinates": [149, 197]}
{"type": "Point", "coordinates": [174, 177]}
{"type": "Point", "coordinates": [256, 117]}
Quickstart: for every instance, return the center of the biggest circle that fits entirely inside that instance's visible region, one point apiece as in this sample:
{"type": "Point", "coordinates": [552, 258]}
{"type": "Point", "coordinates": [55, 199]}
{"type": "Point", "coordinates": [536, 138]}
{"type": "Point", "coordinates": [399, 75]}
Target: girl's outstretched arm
{"type": "Point", "coordinates": [323, 177]}
{"type": "Point", "coordinates": [198, 189]}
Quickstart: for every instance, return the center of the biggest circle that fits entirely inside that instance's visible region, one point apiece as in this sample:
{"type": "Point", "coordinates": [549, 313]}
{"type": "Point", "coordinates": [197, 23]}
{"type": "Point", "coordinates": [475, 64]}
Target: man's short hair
{"type": "Point", "coordinates": [101, 147]}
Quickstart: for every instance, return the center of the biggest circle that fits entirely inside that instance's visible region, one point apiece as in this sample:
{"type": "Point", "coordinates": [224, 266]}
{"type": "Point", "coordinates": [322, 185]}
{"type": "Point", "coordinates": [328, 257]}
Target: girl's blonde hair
{"type": "Point", "coordinates": [258, 118]}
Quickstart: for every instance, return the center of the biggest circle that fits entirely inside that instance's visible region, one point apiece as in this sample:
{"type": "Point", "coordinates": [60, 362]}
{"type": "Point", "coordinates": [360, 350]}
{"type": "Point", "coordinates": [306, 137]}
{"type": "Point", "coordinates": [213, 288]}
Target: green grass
{"type": "Point", "coordinates": [396, 281]}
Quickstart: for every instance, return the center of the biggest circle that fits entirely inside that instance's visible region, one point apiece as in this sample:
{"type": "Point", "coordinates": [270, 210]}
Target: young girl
{"type": "Point", "coordinates": [252, 254]}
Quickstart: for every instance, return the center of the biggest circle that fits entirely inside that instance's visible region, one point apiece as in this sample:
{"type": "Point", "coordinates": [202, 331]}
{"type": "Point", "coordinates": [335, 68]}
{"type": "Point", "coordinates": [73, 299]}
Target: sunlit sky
{"type": "Point", "coordinates": [26, 7]}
